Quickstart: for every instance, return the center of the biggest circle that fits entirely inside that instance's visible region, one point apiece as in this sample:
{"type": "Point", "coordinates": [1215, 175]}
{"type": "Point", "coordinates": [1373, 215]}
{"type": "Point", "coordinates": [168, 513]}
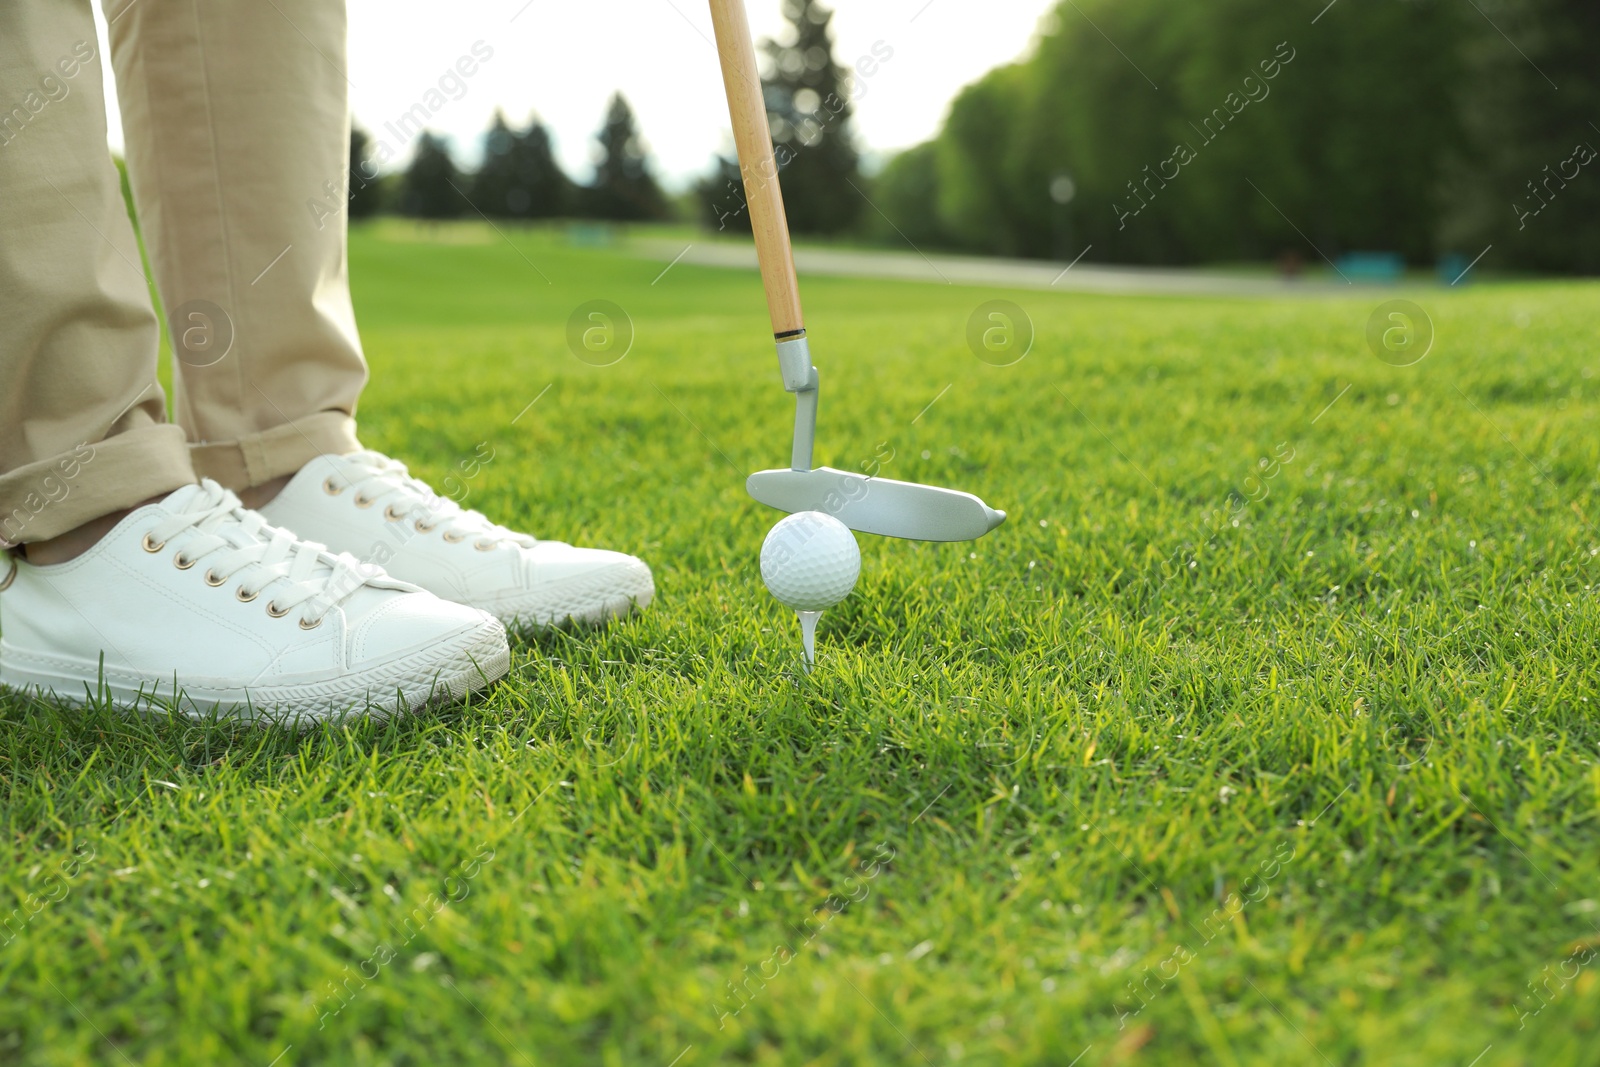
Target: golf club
{"type": "Point", "coordinates": [869, 505]}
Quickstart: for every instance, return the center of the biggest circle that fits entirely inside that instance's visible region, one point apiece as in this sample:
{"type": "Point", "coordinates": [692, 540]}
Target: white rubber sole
{"type": "Point", "coordinates": [591, 613]}
{"type": "Point", "coordinates": [592, 608]}
{"type": "Point", "coordinates": [587, 602]}
{"type": "Point", "coordinates": [438, 674]}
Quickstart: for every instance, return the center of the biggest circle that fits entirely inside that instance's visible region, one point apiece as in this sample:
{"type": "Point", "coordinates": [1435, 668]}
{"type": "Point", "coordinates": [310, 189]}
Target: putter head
{"type": "Point", "coordinates": [877, 505]}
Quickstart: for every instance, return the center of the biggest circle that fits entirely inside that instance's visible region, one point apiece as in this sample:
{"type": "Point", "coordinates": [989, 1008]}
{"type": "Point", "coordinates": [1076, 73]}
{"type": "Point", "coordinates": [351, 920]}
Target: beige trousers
{"type": "Point", "coordinates": [237, 128]}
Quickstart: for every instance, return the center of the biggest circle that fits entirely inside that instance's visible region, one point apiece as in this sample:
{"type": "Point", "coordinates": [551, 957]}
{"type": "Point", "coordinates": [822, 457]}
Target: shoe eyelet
{"type": "Point", "coordinates": [182, 564]}
{"type": "Point", "coordinates": [453, 537]}
{"type": "Point", "coordinates": [239, 592]}
{"type": "Point", "coordinates": [151, 545]}
{"type": "Point", "coordinates": [484, 546]}
{"type": "Point", "coordinates": [275, 611]}
{"type": "Point", "coordinates": [331, 489]}
{"type": "Point", "coordinates": [392, 515]}
{"type": "Point", "coordinates": [214, 579]}
{"type": "Point", "coordinates": [310, 626]}
{"type": "Point", "coordinates": [363, 502]}
{"type": "Point", "coordinates": [423, 527]}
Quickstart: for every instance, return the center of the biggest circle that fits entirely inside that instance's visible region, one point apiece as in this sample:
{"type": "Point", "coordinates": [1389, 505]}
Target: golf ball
{"type": "Point", "coordinates": [810, 561]}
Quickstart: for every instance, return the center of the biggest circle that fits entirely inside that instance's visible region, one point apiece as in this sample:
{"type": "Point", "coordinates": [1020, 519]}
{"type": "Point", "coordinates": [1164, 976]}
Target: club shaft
{"type": "Point", "coordinates": [747, 110]}
{"type": "Point", "coordinates": [805, 429]}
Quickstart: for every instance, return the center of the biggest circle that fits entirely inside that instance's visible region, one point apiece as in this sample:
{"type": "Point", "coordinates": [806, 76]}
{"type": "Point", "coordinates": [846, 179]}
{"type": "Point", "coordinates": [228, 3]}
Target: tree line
{"type": "Point", "coordinates": [1147, 132]}
{"type": "Point", "coordinates": [1247, 129]}
{"type": "Point", "coordinates": [519, 178]}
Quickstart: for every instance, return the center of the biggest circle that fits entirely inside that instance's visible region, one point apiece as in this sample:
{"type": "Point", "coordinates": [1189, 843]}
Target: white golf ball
{"type": "Point", "coordinates": [810, 561]}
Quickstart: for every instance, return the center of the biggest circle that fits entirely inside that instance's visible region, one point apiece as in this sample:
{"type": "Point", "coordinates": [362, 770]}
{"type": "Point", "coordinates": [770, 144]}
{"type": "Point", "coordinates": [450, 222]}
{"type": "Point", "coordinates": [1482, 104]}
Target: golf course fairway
{"type": "Point", "coordinates": [1266, 730]}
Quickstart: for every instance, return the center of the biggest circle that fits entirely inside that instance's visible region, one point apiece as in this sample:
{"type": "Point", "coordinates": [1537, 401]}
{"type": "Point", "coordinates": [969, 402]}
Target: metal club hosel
{"type": "Point", "coordinates": [801, 379]}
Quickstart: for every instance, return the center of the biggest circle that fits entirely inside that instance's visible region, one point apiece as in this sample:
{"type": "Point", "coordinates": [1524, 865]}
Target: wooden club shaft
{"type": "Point", "coordinates": [748, 111]}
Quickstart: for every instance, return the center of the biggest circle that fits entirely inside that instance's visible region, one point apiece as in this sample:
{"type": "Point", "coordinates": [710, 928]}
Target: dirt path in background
{"type": "Point", "coordinates": [999, 273]}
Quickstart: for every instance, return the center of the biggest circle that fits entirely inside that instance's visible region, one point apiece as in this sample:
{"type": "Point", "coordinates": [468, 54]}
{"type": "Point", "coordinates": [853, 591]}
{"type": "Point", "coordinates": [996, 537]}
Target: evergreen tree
{"type": "Point", "coordinates": [496, 181]}
{"type": "Point", "coordinates": [429, 187]}
{"type": "Point", "coordinates": [520, 178]}
{"type": "Point", "coordinates": [624, 188]}
{"type": "Point", "coordinates": [809, 109]}
{"type": "Point", "coordinates": [365, 193]}
{"type": "Point", "coordinates": [721, 198]}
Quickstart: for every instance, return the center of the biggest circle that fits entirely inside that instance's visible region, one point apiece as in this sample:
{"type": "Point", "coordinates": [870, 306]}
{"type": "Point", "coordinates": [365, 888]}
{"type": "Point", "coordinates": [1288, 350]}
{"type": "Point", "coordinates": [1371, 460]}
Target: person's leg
{"type": "Point", "coordinates": [189, 589]}
{"type": "Point", "coordinates": [238, 141]}
{"type": "Point", "coordinates": [82, 431]}
{"type": "Point", "coordinates": [237, 128]}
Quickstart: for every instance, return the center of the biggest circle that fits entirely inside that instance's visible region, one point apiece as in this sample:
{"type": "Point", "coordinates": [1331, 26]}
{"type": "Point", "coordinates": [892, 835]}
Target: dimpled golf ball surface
{"type": "Point", "coordinates": [810, 561]}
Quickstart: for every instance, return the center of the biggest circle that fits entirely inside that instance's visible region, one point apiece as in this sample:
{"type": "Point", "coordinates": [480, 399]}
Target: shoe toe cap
{"type": "Point", "coordinates": [602, 570]}
{"type": "Point", "coordinates": [412, 622]}
{"type": "Point", "coordinates": [588, 584]}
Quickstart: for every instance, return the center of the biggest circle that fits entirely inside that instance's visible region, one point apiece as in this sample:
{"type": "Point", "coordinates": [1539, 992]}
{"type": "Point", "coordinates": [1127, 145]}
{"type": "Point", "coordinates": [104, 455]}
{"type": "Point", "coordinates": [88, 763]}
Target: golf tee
{"type": "Point", "coordinates": [808, 635]}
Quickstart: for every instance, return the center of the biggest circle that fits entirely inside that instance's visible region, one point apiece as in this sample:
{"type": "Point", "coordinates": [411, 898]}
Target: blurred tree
{"type": "Point", "coordinates": [1091, 114]}
{"type": "Point", "coordinates": [720, 195]}
{"type": "Point", "coordinates": [1368, 118]}
{"type": "Point", "coordinates": [497, 180]}
{"type": "Point", "coordinates": [366, 197]}
{"type": "Point", "coordinates": [1528, 179]}
{"type": "Point", "coordinates": [519, 177]}
{"type": "Point", "coordinates": [976, 157]}
{"type": "Point", "coordinates": [1206, 129]}
{"type": "Point", "coordinates": [809, 109]}
{"type": "Point", "coordinates": [429, 188]}
{"type": "Point", "coordinates": [908, 193]}
{"type": "Point", "coordinates": [623, 188]}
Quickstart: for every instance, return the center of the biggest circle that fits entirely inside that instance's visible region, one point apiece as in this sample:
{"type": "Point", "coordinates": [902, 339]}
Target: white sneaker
{"type": "Point", "coordinates": [367, 505]}
{"type": "Point", "coordinates": [198, 601]}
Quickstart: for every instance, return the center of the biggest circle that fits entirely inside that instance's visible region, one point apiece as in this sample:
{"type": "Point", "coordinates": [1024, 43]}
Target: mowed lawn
{"type": "Point", "coordinates": [1263, 732]}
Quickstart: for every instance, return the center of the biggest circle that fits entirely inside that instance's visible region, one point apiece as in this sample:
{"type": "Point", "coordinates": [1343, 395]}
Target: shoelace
{"type": "Point", "coordinates": [387, 479]}
{"type": "Point", "coordinates": [235, 541]}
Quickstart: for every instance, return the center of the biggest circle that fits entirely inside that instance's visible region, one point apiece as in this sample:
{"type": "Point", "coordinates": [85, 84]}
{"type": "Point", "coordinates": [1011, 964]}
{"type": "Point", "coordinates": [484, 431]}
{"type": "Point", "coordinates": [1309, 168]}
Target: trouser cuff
{"type": "Point", "coordinates": [50, 497]}
{"type": "Point", "coordinates": [261, 457]}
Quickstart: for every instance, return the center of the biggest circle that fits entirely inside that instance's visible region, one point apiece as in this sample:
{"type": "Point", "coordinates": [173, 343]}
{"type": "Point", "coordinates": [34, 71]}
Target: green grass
{"type": "Point", "coordinates": [1317, 778]}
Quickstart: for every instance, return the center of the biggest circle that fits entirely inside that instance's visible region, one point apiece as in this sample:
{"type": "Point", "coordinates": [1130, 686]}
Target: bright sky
{"type": "Point", "coordinates": [563, 60]}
